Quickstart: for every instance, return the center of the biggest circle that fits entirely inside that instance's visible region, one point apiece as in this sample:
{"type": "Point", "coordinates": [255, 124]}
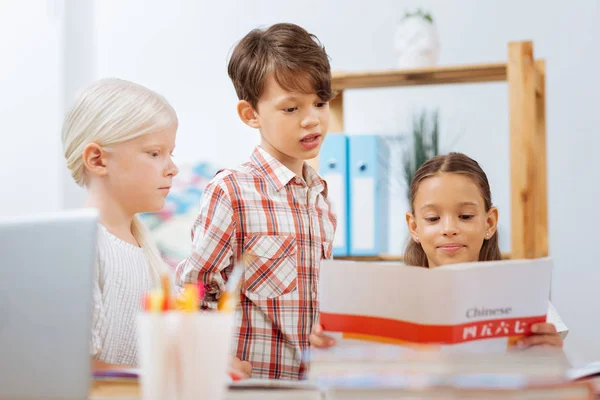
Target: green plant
{"type": "Point", "coordinates": [419, 13]}
{"type": "Point", "coordinates": [423, 146]}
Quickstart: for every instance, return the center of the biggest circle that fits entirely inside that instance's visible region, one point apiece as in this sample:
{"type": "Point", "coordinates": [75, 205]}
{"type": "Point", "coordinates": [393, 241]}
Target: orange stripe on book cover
{"type": "Point", "coordinates": [421, 333]}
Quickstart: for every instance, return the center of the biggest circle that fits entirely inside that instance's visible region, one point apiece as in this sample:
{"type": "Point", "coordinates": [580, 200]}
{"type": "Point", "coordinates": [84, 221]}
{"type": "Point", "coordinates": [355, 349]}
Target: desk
{"type": "Point", "coordinates": [129, 390]}
{"type": "Point", "coordinates": [109, 390]}
{"type": "Point", "coordinates": [114, 390]}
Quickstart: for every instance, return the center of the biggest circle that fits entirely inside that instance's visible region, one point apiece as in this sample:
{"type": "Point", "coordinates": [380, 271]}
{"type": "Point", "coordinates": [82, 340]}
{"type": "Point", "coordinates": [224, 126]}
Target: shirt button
{"type": "Point", "coordinates": [298, 181]}
{"type": "Point", "coordinates": [314, 295]}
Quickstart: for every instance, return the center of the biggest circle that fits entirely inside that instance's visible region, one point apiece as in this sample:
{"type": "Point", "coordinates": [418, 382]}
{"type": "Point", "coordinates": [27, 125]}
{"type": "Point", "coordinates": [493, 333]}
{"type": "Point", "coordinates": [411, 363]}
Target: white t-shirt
{"type": "Point", "coordinates": [122, 278]}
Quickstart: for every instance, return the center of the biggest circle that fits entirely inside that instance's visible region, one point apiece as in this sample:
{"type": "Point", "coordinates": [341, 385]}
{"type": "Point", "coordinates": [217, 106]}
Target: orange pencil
{"type": "Point", "coordinates": [166, 289]}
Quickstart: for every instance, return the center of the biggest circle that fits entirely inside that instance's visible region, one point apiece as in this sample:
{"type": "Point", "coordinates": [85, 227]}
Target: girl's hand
{"type": "Point", "coordinates": [318, 339]}
{"type": "Point", "coordinates": [544, 334]}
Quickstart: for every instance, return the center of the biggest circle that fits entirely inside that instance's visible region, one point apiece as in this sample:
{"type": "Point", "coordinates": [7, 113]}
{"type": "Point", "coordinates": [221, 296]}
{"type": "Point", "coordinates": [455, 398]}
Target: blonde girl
{"type": "Point", "coordinates": [118, 138]}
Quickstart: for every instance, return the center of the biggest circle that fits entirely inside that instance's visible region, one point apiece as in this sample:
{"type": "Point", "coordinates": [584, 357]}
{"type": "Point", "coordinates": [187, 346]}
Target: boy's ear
{"type": "Point", "coordinates": [492, 221]}
{"type": "Point", "coordinates": [411, 223]}
{"type": "Point", "coordinates": [94, 159]}
{"type": "Point", "coordinates": [247, 114]}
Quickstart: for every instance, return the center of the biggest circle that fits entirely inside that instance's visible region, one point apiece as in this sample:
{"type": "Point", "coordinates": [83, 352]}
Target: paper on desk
{"type": "Point", "coordinates": [127, 373]}
{"type": "Point", "coordinates": [272, 384]}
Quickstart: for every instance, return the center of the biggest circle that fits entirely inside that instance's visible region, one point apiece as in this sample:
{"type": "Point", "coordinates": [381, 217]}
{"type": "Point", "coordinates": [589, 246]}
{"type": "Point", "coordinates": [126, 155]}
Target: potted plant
{"type": "Point", "coordinates": [423, 145]}
{"type": "Point", "coordinates": [416, 41]}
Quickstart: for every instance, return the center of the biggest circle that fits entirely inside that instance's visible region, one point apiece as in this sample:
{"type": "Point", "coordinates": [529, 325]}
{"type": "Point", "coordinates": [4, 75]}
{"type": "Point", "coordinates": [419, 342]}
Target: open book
{"type": "Point", "coordinates": [477, 305]}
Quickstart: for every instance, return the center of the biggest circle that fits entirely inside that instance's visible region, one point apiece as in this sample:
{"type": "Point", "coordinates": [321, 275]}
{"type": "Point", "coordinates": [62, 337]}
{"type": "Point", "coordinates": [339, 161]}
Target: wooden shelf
{"type": "Point", "coordinates": [526, 80]}
{"type": "Point", "coordinates": [475, 73]}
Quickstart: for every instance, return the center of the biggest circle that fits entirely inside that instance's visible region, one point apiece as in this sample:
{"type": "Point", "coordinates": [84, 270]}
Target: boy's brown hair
{"type": "Point", "coordinates": [454, 163]}
{"type": "Point", "coordinates": [296, 58]}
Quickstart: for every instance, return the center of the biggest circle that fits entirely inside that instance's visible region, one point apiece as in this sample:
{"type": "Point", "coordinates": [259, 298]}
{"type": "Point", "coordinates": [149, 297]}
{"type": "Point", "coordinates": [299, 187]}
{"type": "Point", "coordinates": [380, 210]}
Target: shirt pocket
{"type": "Point", "coordinates": [271, 266]}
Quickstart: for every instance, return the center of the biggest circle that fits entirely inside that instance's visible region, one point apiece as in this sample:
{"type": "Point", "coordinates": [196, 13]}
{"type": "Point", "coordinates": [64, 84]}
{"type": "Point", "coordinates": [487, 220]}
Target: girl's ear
{"type": "Point", "coordinates": [411, 223]}
{"type": "Point", "coordinates": [491, 222]}
{"type": "Point", "coordinates": [94, 159]}
{"type": "Point", "coordinates": [247, 114]}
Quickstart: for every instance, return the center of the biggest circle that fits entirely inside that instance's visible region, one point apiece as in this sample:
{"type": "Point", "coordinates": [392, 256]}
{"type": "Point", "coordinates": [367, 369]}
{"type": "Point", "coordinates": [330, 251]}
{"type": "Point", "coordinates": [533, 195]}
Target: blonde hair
{"type": "Point", "coordinates": [109, 112]}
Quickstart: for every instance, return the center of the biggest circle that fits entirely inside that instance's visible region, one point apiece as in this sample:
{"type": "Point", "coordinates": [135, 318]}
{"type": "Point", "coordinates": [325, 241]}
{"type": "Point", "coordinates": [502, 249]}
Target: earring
{"type": "Point", "coordinates": [417, 240]}
{"type": "Point", "coordinates": [487, 235]}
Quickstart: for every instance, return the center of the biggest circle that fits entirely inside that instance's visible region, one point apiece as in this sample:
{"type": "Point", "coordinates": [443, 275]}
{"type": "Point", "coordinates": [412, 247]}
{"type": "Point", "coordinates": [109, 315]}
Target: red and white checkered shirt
{"type": "Point", "coordinates": [286, 225]}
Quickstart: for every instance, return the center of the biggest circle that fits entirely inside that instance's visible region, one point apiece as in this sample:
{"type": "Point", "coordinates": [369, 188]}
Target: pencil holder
{"type": "Point", "coordinates": [185, 355]}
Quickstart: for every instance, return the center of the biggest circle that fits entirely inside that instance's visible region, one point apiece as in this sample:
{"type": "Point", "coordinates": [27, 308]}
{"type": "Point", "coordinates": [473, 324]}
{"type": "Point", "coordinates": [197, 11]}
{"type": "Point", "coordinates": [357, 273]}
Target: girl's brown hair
{"type": "Point", "coordinates": [454, 163]}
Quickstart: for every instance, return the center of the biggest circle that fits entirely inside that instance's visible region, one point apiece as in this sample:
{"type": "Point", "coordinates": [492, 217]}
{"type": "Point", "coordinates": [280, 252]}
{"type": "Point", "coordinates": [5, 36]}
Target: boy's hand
{"type": "Point", "coordinates": [241, 369]}
{"type": "Point", "coordinates": [544, 334]}
{"type": "Point", "coordinates": [320, 340]}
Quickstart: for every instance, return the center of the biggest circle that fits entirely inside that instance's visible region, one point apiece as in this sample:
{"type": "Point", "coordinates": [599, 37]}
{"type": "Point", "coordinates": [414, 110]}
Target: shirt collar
{"type": "Point", "coordinates": [278, 175]}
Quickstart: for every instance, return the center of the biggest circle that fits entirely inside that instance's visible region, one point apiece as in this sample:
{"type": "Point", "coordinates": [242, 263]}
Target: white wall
{"type": "Point", "coordinates": [79, 55]}
{"type": "Point", "coordinates": [30, 103]}
{"type": "Point", "coordinates": [180, 49]}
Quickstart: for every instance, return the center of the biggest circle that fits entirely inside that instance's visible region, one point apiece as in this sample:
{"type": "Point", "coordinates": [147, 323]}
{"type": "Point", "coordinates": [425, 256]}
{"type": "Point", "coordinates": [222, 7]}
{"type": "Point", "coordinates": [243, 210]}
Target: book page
{"type": "Point", "coordinates": [555, 319]}
{"type": "Point", "coordinates": [395, 304]}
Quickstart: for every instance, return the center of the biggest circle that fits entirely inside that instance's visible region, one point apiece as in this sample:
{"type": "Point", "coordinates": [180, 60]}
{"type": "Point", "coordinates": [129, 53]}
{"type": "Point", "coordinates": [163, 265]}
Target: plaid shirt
{"type": "Point", "coordinates": [286, 225]}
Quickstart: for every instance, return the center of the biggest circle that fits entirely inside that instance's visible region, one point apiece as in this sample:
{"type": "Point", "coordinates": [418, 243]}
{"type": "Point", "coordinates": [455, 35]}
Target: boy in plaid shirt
{"type": "Point", "coordinates": [274, 207]}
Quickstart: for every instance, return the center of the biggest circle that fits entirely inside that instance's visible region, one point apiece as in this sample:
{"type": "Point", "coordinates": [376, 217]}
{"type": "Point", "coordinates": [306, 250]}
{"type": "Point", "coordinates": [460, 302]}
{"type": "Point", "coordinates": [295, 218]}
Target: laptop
{"type": "Point", "coordinates": [46, 273]}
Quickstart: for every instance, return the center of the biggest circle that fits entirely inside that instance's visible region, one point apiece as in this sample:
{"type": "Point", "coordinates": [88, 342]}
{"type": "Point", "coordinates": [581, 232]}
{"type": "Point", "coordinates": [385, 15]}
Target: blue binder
{"type": "Point", "coordinates": [368, 167]}
{"type": "Point", "coordinates": [333, 168]}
